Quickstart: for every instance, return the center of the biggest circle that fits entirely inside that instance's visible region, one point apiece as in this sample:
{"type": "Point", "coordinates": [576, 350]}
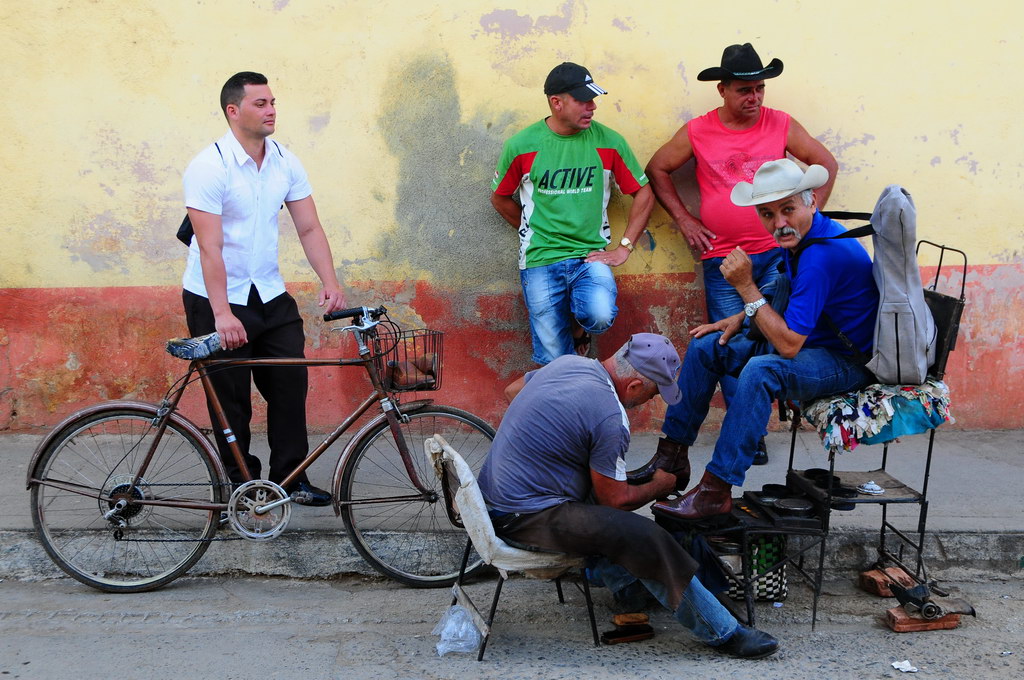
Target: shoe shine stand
{"type": "Point", "coordinates": [908, 410]}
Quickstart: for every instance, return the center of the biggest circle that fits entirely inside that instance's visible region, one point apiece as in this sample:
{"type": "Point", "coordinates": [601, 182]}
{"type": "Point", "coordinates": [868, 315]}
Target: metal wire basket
{"type": "Point", "coordinates": [408, 360]}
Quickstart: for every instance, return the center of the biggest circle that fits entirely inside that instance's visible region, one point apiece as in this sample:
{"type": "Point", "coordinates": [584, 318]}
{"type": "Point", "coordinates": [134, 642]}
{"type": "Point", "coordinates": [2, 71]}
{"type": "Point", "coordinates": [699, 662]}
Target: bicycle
{"type": "Point", "coordinates": [127, 496]}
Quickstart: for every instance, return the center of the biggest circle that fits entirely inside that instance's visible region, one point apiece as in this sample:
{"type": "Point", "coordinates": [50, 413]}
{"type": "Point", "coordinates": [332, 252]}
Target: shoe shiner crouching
{"type": "Point", "coordinates": [563, 441]}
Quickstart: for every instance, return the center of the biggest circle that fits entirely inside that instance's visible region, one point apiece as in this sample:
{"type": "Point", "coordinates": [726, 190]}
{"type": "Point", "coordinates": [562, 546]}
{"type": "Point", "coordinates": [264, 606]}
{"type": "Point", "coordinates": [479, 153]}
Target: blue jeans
{"type": "Point", "coordinates": [761, 379]}
{"type": "Point", "coordinates": [555, 293]}
{"type": "Point", "coordinates": [723, 300]}
{"type": "Point", "coordinates": [700, 612]}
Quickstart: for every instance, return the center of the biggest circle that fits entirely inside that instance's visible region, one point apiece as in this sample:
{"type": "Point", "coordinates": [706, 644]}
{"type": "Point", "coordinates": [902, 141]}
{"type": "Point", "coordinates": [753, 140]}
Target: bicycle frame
{"type": "Point", "coordinates": [167, 411]}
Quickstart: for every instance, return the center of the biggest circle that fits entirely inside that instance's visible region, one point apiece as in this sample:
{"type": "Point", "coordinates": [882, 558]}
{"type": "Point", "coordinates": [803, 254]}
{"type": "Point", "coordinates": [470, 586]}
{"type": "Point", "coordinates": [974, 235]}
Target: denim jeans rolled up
{"type": "Point", "coordinates": [557, 293]}
{"type": "Point", "coordinates": [761, 379]}
{"type": "Point", "coordinates": [699, 611]}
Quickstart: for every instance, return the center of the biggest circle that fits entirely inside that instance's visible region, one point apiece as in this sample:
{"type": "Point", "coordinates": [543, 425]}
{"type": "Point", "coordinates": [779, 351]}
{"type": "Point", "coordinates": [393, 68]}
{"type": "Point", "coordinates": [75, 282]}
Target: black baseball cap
{"type": "Point", "coordinates": [573, 79]}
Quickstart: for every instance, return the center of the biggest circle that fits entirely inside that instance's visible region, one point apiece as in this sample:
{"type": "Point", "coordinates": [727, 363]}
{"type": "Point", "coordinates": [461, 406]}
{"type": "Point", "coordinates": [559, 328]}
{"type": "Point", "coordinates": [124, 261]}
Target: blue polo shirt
{"type": "Point", "coordinates": [833, 277]}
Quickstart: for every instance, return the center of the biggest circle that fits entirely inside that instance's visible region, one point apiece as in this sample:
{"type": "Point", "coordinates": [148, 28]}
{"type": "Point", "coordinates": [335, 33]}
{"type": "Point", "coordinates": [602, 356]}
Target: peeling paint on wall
{"type": "Point", "coordinates": [511, 25]}
{"type": "Point", "coordinates": [50, 366]}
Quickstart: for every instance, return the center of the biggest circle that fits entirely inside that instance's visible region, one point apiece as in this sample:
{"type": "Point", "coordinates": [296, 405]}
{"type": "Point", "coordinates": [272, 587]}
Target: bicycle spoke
{"type": "Point", "coordinates": [410, 541]}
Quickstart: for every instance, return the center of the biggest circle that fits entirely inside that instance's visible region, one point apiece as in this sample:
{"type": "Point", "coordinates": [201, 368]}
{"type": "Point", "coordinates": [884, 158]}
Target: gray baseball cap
{"type": "Point", "coordinates": [654, 357]}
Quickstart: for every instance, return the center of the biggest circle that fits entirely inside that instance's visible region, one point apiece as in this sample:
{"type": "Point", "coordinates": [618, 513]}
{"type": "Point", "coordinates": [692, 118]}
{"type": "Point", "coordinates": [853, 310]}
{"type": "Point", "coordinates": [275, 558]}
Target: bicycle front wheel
{"type": "Point", "coordinates": [123, 547]}
{"type": "Point", "coordinates": [411, 541]}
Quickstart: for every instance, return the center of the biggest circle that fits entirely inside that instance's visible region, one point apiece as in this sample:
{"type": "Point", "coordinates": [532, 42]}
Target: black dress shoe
{"type": "Point", "coordinates": [749, 643]}
{"type": "Point", "coordinates": [761, 454]}
{"type": "Point", "coordinates": [305, 493]}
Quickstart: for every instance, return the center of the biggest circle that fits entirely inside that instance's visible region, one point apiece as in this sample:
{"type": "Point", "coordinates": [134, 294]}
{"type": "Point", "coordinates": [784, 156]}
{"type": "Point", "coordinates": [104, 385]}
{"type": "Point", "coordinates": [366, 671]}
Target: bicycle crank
{"type": "Point", "coordinates": [259, 510]}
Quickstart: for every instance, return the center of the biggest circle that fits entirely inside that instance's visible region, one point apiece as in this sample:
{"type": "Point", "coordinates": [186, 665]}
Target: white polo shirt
{"type": "Point", "coordinates": [224, 180]}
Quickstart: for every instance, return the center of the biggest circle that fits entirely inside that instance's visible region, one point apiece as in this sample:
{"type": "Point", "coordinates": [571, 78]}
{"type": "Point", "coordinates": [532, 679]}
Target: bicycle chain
{"type": "Point", "coordinates": [190, 484]}
{"type": "Point", "coordinates": [179, 540]}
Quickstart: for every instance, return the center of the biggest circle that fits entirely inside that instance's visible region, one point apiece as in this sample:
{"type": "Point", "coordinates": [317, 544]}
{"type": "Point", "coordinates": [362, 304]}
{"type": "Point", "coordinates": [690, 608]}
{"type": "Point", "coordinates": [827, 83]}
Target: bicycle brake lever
{"type": "Point", "coordinates": [356, 327]}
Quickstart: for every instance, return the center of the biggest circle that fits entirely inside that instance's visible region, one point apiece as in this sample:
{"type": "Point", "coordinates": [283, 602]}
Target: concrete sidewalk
{"type": "Point", "coordinates": [975, 517]}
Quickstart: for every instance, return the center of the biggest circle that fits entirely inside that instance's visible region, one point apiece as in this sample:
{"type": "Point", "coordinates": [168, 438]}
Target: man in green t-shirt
{"type": "Point", "coordinates": [562, 167]}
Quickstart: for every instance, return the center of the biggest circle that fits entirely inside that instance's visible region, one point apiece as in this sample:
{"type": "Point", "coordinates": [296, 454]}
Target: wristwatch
{"type": "Point", "coordinates": [626, 243]}
{"type": "Point", "coordinates": [751, 308]}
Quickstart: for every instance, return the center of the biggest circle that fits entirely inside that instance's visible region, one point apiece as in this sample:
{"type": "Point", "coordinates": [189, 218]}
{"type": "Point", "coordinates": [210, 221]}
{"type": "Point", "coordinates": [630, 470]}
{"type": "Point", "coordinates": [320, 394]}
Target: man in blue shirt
{"type": "Point", "coordinates": [806, 358]}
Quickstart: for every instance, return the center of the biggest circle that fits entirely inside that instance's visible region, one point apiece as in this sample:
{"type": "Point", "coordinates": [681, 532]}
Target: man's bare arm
{"type": "Point", "coordinates": [666, 160]}
{"type": "Point", "coordinates": [625, 496]}
{"type": "Point", "coordinates": [812, 152]}
{"type": "Point", "coordinates": [318, 251]}
{"type": "Point", "coordinates": [738, 271]}
{"type": "Point", "coordinates": [508, 209]}
{"type": "Point", "coordinates": [514, 388]}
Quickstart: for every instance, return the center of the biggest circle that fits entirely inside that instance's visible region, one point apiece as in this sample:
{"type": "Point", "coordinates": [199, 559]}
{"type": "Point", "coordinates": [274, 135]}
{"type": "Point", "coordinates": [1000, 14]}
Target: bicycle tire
{"type": "Point", "coordinates": [101, 452]}
{"type": "Point", "coordinates": [412, 542]}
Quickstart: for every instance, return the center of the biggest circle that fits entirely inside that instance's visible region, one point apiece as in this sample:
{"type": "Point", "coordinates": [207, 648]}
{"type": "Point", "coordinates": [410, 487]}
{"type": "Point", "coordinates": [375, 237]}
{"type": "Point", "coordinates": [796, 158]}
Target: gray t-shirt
{"type": "Point", "coordinates": [566, 421]}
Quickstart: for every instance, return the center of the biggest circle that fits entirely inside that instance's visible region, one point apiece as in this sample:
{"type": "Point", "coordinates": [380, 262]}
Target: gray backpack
{"type": "Point", "coordinates": [905, 332]}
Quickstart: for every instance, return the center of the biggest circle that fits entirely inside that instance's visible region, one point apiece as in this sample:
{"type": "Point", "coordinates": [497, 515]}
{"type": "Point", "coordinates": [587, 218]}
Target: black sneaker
{"type": "Point", "coordinates": [761, 454]}
{"type": "Point", "coordinates": [306, 494]}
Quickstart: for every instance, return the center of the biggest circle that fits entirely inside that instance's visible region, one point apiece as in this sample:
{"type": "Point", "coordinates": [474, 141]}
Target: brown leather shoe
{"type": "Point", "coordinates": [710, 497]}
{"type": "Point", "coordinates": [671, 456]}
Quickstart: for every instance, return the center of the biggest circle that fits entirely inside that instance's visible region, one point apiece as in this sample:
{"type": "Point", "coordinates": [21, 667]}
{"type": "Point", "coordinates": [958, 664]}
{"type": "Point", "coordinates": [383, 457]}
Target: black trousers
{"type": "Point", "coordinates": [274, 329]}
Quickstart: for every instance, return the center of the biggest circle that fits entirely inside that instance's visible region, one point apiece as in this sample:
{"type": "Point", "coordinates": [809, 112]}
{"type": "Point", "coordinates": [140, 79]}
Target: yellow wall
{"type": "Point", "coordinates": [398, 110]}
{"type": "Point", "coordinates": [389, 101]}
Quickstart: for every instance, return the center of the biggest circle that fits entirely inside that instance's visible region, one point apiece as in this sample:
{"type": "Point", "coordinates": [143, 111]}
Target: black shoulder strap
{"type": "Point", "coordinates": [185, 231]}
{"type": "Point", "coordinates": [845, 215]}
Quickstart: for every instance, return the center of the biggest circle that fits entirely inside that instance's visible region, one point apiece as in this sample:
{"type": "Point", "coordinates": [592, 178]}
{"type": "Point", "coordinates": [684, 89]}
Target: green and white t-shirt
{"type": "Point", "coordinates": [564, 182]}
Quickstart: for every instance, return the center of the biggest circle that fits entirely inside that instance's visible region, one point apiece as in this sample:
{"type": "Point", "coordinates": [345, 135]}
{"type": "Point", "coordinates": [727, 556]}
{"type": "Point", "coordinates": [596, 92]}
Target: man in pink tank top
{"type": "Point", "coordinates": [729, 144]}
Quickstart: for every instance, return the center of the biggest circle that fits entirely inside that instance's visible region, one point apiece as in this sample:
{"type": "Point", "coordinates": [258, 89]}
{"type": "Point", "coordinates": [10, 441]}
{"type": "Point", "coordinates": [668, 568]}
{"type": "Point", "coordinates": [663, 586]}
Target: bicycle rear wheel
{"type": "Point", "coordinates": [94, 460]}
{"type": "Point", "coordinates": [411, 541]}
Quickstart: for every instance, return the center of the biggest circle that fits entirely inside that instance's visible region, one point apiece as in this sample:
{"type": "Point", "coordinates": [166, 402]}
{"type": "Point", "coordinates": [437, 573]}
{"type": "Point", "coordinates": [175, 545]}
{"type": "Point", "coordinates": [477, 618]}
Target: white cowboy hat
{"type": "Point", "coordinates": [776, 180]}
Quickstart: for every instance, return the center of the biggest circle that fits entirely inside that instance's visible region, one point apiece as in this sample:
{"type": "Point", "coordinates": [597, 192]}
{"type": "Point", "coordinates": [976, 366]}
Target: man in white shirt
{"type": "Point", "coordinates": [234, 190]}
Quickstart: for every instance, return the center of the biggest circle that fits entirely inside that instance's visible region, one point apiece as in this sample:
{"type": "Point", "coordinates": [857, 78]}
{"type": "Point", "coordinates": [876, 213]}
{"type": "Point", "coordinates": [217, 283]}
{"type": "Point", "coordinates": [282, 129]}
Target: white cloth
{"type": "Point", "coordinates": [226, 182]}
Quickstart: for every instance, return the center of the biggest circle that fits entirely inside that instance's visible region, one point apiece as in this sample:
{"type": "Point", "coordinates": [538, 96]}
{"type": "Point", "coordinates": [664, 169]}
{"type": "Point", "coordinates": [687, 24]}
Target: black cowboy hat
{"type": "Point", "coordinates": [740, 62]}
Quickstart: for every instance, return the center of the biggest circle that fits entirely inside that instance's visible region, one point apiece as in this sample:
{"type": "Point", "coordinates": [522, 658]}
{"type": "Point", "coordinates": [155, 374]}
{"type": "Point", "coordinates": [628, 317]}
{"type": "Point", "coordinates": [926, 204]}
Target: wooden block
{"type": "Point", "coordinates": [638, 619]}
{"type": "Point", "coordinates": [877, 581]}
{"type": "Point", "coordinates": [900, 621]}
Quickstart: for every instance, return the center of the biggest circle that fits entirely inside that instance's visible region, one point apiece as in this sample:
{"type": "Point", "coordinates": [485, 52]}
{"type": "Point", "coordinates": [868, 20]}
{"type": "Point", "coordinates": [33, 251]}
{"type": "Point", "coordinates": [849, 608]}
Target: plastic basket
{"type": "Point", "coordinates": [408, 360]}
{"type": "Point", "coordinates": [765, 551]}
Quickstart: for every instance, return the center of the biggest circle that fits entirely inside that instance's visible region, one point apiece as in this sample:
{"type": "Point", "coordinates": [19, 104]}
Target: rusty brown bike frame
{"type": "Point", "coordinates": [203, 368]}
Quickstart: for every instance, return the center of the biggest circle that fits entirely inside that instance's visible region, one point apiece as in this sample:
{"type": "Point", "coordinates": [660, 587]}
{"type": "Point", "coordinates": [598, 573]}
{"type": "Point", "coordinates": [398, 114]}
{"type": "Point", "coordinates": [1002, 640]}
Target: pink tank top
{"type": "Point", "coordinates": [725, 157]}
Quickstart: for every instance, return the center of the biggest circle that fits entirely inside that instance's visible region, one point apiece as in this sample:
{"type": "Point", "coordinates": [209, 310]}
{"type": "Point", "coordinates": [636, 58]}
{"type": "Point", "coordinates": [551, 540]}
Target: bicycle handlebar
{"type": "Point", "coordinates": [355, 312]}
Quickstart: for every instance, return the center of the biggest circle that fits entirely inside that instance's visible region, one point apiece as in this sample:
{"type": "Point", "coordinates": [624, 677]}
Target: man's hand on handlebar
{"type": "Point", "coordinates": [354, 312]}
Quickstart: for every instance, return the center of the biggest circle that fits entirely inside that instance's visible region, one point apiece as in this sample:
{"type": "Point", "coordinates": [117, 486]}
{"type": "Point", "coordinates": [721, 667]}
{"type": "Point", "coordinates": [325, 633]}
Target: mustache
{"type": "Point", "coordinates": [785, 231]}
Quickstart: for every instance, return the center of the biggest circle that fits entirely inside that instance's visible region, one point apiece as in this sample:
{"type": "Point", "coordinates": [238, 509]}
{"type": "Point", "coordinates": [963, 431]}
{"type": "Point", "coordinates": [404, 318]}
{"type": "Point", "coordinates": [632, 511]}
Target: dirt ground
{"type": "Point", "coordinates": [358, 627]}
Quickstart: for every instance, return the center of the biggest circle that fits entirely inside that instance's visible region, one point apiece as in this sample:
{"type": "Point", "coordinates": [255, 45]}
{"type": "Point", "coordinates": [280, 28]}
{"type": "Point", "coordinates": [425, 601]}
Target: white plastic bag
{"type": "Point", "coordinates": [457, 631]}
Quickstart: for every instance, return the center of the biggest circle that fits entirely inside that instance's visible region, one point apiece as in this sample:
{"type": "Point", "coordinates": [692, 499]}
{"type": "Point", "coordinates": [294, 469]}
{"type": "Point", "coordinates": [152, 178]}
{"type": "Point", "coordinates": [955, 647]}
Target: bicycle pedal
{"type": "Point", "coordinates": [194, 348]}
